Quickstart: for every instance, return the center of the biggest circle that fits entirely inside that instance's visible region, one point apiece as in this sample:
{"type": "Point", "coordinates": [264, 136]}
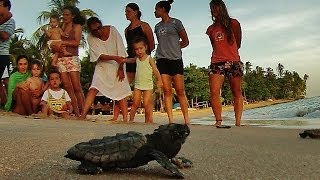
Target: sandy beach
{"type": "Point", "coordinates": [34, 149]}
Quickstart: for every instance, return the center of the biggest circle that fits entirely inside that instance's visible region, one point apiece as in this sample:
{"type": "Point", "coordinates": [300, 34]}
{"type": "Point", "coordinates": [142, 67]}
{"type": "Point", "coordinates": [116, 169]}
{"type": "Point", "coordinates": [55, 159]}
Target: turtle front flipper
{"type": "Point", "coordinates": [181, 162]}
{"type": "Point", "coordinates": [89, 168]}
{"type": "Point", "coordinates": [164, 161]}
{"type": "Point", "coordinates": [303, 135]}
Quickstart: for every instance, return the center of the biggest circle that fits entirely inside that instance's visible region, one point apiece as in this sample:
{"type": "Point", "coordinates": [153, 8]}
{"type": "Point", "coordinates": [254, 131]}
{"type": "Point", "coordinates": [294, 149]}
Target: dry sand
{"type": "Point", "coordinates": [34, 149]}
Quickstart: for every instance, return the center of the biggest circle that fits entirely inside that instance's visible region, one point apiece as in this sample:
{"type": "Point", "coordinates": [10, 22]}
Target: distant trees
{"type": "Point", "coordinates": [258, 84]}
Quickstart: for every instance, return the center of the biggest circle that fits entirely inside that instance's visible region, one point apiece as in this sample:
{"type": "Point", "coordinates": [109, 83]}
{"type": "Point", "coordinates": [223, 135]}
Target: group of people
{"type": "Point", "coordinates": [117, 66]}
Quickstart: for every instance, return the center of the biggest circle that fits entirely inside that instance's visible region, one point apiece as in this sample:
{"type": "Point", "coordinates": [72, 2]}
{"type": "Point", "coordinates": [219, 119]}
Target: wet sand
{"type": "Point", "coordinates": [34, 149]}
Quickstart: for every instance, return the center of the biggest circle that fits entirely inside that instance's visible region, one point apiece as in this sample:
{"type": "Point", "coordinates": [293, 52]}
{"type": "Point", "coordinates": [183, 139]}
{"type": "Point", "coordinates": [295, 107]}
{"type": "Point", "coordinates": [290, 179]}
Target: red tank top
{"type": "Point", "coordinates": [222, 50]}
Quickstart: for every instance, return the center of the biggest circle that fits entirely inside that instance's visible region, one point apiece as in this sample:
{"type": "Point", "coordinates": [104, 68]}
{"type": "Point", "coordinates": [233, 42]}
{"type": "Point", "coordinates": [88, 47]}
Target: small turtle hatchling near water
{"type": "Point", "coordinates": [133, 149]}
{"type": "Point", "coordinates": [312, 133]}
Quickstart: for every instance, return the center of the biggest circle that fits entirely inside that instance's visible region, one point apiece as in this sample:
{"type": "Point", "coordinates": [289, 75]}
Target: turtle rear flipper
{"type": "Point", "coordinates": [164, 161]}
{"type": "Point", "coordinates": [89, 168]}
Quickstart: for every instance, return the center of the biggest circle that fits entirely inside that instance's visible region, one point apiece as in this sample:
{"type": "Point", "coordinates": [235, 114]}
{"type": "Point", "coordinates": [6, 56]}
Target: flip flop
{"type": "Point", "coordinates": [223, 126]}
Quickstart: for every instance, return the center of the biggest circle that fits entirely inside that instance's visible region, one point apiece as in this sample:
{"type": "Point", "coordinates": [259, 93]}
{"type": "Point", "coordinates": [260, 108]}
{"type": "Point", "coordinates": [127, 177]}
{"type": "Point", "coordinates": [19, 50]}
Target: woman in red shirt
{"type": "Point", "coordinates": [225, 36]}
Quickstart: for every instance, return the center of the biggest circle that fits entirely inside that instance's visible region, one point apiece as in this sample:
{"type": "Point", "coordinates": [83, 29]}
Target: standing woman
{"type": "Point", "coordinates": [109, 78]}
{"type": "Point", "coordinates": [172, 37]}
{"type": "Point", "coordinates": [136, 28]}
{"type": "Point", "coordinates": [69, 66]}
{"type": "Point", "coordinates": [225, 36]}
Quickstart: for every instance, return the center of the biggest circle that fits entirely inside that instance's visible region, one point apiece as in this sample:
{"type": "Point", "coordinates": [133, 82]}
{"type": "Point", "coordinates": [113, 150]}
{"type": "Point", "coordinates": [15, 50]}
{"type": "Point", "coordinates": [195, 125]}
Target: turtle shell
{"type": "Point", "coordinates": [312, 133]}
{"type": "Point", "coordinates": [121, 147]}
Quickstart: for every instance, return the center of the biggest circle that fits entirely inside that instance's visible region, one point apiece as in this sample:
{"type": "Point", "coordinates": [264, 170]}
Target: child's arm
{"type": "Point", "coordinates": [156, 73]}
{"type": "Point", "coordinates": [130, 60]}
{"type": "Point", "coordinates": [24, 84]}
{"type": "Point", "coordinates": [44, 87]}
{"type": "Point", "coordinates": [47, 32]}
{"type": "Point", "coordinates": [69, 106]}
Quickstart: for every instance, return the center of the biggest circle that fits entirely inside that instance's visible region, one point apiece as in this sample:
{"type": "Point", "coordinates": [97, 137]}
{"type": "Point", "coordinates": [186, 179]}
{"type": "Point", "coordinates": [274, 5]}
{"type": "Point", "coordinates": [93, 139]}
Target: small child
{"type": "Point", "coordinates": [54, 33]}
{"type": "Point", "coordinates": [56, 100]}
{"type": "Point", "coordinates": [35, 84]}
{"type": "Point", "coordinates": [143, 84]}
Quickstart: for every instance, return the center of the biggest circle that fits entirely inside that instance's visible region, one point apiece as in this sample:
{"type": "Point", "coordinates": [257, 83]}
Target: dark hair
{"type": "Point", "coordinates": [93, 20]}
{"type": "Point", "coordinates": [21, 57]}
{"type": "Point", "coordinates": [139, 39]}
{"type": "Point", "coordinates": [78, 18]}
{"type": "Point", "coordinates": [53, 71]}
{"type": "Point", "coordinates": [55, 16]}
{"type": "Point", "coordinates": [135, 7]}
{"type": "Point", "coordinates": [6, 3]}
{"type": "Point", "coordinates": [36, 62]}
{"type": "Point", "coordinates": [223, 18]}
{"type": "Point", "coordinates": [165, 4]}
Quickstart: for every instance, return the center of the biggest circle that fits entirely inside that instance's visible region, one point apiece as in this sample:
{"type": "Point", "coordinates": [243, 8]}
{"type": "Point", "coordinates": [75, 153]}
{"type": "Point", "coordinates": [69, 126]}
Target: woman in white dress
{"type": "Point", "coordinates": [109, 78]}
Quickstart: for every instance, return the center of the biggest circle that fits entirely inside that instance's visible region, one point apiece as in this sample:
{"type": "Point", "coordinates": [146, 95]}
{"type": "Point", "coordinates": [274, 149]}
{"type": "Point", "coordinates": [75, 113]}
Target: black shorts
{"type": "Point", "coordinates": [4, 62]}
{"type": "Point", "coordinates": [131, 67]}
{"type": "Point", "coordinates": [228, 68]}
{"type": "Point", "coordinates": [170, 67]}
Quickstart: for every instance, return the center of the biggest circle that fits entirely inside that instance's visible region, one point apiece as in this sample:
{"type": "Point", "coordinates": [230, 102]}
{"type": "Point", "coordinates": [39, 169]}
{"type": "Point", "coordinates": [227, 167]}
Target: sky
{"type": "Point", "coordinates": [286, 31]}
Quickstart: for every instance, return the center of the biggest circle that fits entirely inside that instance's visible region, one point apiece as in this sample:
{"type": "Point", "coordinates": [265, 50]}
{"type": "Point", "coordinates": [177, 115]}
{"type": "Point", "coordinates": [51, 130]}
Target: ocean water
{"type": "Point", "coordinates": [303, 113]}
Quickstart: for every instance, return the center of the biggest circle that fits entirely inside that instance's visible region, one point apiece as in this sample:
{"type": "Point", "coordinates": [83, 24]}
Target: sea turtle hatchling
{"type": "Point", "coordinates": [133, 149]}
{"type": "Point", "coordinates": [312, 133]}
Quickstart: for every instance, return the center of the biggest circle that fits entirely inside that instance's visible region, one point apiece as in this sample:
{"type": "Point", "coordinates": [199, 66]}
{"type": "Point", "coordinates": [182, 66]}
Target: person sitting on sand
{"type": "Point", "coordinates": [56, 100]}
{"type": "Point", "coordinates": [18, 98]}
{"type": "Point", "coordinates": [54, 33]}
{"type": "Point", "coordinates": [35, 84]}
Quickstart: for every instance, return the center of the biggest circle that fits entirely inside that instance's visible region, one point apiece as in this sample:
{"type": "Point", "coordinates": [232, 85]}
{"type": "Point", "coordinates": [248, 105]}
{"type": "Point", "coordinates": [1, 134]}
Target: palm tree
{"type": "Point", "coordinates": [280, 69]}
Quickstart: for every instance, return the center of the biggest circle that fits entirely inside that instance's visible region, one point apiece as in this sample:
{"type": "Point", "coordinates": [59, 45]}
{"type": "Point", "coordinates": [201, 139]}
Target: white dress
{"type": "Point", "coordinates": [105, 78]}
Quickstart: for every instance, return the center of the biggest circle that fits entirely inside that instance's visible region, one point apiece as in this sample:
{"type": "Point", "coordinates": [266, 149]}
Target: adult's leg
{"type": "Point", "coordinates": [235, 84]}
{"type": "Point", "coordinates": [136, 102]}
{"type": "Point", "coordinates": [116, 110]}
{"type": "Point", "coordinates": [75, 79]}
{"type": "Point", "coordinates": [178, 82]}
{"type": "Point", "coordinates": [167, 90]}
{"type": "Point", "coordinates": [67, 84]}
{"type": "Point", "coordinates": [148, 106]}
{"type": "Point", "coordinates": [23, 104]}
{"type": "Point", "coordinates": [215, 83]}
{"type": "Point", "coordinates": [88, 102]}
{"type": "Point", "coordinates": [124, 108]}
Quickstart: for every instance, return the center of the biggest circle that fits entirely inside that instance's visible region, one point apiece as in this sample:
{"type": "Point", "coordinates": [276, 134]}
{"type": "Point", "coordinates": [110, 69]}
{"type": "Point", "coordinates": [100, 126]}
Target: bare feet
{"type": "Point", "coordinates": [218, 123]}
{"type": "Point", "coordinates": [82, 117]}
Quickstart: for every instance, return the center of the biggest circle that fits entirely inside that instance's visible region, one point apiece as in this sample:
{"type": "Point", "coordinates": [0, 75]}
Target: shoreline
{"type": "Point", "coordinates": [161, 117]}
{"type": "Point", "coordinates": [34, 149]}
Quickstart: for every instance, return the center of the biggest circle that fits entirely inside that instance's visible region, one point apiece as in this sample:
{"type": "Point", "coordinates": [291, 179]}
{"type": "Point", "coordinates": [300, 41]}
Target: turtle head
{"type": "Point", "coordinates": [176, 132]}
{"type": "Point", "coordinates": [179, 132]}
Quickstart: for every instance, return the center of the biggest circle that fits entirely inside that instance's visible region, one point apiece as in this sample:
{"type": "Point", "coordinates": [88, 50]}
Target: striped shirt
{"type": "Point", "coordinates": [8, 27]}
